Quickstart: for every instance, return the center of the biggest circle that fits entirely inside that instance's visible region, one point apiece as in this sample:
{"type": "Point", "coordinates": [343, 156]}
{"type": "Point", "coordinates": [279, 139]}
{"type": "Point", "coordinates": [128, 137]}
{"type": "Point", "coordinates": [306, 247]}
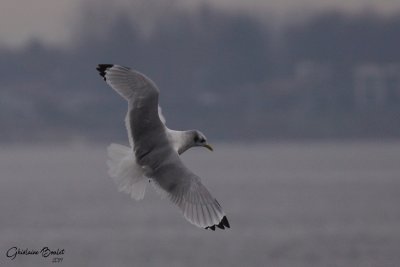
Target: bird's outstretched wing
{"type": "Point", "coordinates": [140, 92]}
{"type": "Point", "coordinates": [186, 191]}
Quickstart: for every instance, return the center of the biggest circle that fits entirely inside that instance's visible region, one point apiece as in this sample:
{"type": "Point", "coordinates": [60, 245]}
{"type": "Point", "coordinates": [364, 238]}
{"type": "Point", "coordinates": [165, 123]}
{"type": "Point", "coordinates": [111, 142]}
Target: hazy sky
{"type": "Point", "coordinates": [50, 20]}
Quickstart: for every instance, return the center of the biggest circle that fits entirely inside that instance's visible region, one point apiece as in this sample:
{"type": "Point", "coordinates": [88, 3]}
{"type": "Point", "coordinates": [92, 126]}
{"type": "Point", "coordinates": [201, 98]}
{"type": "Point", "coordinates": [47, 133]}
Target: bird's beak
{"type": "Point", "coordinates": [209, 147]}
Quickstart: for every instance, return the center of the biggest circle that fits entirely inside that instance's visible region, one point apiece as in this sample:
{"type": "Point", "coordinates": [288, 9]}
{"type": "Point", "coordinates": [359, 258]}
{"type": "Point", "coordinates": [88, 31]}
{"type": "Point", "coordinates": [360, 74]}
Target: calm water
{"type": "Point", "coordinates": [310, 204]}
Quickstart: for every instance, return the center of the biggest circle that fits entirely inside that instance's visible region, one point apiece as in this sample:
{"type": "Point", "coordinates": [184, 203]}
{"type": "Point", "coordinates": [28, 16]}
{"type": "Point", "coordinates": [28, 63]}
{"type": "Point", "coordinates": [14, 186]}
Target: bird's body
{"type": "Point", "coordinates": [155, 150]}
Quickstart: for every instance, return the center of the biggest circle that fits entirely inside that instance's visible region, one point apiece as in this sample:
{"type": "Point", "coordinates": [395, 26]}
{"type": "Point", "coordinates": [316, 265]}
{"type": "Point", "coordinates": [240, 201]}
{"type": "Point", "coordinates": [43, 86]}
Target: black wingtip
{"type": "Point", "coordinates": [222, 224]}
{"type": "Point", "coordinates": [102, 68]}
{"type": "Point", "coordinates": [225, 222]}
{"type": "Point", "coordinates": [212, 227]}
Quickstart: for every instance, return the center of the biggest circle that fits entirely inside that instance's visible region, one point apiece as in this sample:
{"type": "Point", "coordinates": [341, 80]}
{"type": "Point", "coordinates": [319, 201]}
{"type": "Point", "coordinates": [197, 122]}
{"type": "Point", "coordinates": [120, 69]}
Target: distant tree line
{"type": "Point", "coordinates": [217, 71]}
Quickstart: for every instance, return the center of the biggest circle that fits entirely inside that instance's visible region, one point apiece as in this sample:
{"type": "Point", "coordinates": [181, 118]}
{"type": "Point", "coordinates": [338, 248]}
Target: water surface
{"type": "Point", "coordinates": [290, 204]}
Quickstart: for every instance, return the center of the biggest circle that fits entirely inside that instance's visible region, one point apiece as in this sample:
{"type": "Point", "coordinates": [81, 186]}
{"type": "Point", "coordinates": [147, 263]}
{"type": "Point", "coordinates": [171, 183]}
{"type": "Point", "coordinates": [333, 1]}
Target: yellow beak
{"type": "Point", "coordinates": [209, 147]}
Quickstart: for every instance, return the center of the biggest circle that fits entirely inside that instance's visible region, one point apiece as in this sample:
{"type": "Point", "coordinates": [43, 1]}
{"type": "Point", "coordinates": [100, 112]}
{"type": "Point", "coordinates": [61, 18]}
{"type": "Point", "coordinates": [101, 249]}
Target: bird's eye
{"type": "Point", "coordinates": [196, 139]}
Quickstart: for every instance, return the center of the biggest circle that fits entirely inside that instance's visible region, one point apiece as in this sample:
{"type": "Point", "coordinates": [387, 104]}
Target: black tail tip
{"type": "Point", "coordinates": [102, 68]}
{"type": "Point", "coordinates": [222, 224]}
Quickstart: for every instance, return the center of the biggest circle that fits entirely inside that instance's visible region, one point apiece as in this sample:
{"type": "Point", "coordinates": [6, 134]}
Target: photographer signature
{"type": "Point", "coordinates": [45, 252]}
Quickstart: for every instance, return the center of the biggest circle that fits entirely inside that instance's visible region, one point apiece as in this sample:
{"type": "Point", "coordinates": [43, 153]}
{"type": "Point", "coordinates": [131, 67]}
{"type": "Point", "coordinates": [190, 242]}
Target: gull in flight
{"type": "Point", "coordinates": [154, 151]}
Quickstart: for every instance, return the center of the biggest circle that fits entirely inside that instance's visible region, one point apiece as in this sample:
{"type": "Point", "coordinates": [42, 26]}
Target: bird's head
{"type": "Point", "coordinates": [199, 139]}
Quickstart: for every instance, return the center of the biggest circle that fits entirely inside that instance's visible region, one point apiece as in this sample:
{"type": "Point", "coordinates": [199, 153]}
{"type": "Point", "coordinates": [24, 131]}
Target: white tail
{"type": "Point", "coordinates": [125, 172]}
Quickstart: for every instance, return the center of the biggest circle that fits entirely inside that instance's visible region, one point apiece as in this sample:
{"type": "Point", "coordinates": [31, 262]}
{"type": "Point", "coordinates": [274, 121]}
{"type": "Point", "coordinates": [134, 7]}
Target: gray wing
{"type": "Point", "coordinates": [144, 114]}
{"type": "Point", "coordinates": [185, 190]}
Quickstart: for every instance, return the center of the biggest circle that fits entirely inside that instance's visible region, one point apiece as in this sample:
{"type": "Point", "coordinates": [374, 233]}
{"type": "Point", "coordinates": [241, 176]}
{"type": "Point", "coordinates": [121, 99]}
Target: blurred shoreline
{"type": "Point", "coordinates": [334, 75]}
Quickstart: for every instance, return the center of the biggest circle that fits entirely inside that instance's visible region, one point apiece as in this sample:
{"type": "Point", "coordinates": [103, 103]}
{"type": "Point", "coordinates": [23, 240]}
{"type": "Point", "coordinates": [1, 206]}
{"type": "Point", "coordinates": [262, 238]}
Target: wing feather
{"type": "Point", "coordinates": [186, 191]}
{"type": "Point", "coordinates": [140, 92]}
